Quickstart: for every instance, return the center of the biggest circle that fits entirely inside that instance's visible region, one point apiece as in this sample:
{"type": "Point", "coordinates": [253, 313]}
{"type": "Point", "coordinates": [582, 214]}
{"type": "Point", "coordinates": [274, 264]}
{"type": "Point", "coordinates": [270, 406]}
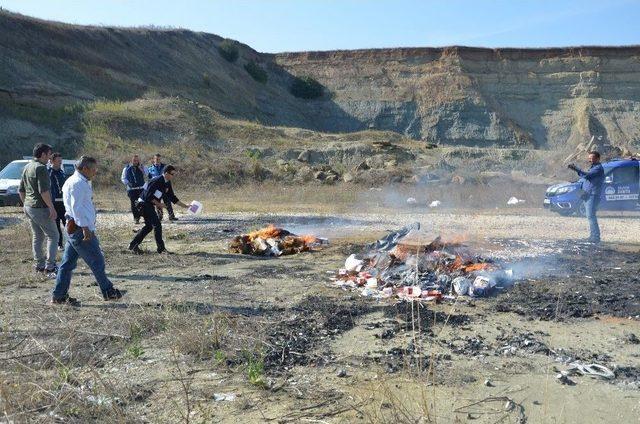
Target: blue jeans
{"type": "Point", "coordinates": [591, 207]}
{"type": "Point", "coordinates": [90, 252]}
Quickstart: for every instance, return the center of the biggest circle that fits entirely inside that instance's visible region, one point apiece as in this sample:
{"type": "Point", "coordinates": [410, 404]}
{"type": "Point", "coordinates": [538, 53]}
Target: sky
{"type": "Point", "coordinates": [304, 25]}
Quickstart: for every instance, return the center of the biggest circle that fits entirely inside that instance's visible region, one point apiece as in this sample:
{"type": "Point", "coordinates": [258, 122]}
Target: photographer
{"type": "Point", "coordinates": [592, 187]}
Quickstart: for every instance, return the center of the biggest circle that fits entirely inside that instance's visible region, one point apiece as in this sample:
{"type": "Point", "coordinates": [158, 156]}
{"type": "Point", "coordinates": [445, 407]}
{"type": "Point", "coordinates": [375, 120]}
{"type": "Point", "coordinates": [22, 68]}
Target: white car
{"type": "Point", "coordinates": [10, 180]}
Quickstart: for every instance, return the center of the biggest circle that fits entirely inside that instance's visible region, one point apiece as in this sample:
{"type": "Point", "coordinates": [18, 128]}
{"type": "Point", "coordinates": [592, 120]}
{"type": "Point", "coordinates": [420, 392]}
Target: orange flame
{"type": "Point", "coordinates": [309, 239]}
{"type": "Point", "coordinates": [270, 231]}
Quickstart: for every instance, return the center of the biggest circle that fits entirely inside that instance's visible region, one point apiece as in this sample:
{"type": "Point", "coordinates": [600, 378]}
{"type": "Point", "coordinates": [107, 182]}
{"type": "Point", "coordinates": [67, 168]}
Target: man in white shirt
{"type": "Point", "coordinates": [77, 196]}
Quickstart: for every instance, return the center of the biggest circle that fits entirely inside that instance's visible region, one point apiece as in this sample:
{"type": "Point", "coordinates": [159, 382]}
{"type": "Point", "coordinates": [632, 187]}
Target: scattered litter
{"type": "Point", "coordinates": [409, 266]}
{"type": "Point", "coordinates": [353, 264]}
{"type": "Point", "coordinates": [592, 370]}
{"type": "Point", "coordinates": [563, 378]}
{"type": "Point", "coordinates": [411, 201]}
{"type": "Point", "coordinates": [514, 201]}
{"type": "Point", "coordinates": [341, 373]}
{"type": "Point", "coordinates": [100, 400]}
{"type": "Point", "coordinates": [224, 397]}
{"type": "Point", "coordinates": [273, 241]}
{"type": "Point", "coordinates": [435, 204]}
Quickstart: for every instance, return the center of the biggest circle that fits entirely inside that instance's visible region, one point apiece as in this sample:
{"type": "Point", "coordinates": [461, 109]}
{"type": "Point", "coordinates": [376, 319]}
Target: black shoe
{"type": "Point", "coordinates": [135, 248]}
{"type": "Point", "coordinates": [71, 301]}
{"type": "Point", "coordinates": [113, 294]}
{"type": "Point", "coordinates": [164, 251]}
{"type": "Point", "coordinates": [173, 218]}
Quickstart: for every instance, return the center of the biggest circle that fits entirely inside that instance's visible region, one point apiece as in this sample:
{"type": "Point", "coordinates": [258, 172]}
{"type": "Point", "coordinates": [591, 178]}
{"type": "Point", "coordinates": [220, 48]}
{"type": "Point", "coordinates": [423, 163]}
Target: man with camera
{"type": "Point", "coordinates": [592, 187]}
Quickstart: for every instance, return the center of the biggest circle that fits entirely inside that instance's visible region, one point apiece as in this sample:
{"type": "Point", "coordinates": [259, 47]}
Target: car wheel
{"type": "Point", "coordinates": [566, 212]}
{"type": "Point", "coordinates": [581, 210]}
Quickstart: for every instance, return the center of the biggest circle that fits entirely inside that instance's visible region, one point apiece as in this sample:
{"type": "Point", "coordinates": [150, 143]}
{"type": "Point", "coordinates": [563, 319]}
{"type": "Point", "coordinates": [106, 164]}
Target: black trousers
{"type": "Point", "coordinates": [151, 222]}
{"type": "Point", "coordinates": [133, 197]}
{"type": "Point", "coordinates": [60, 218]}
{"type": "Point", "coordinates": [169, 206]}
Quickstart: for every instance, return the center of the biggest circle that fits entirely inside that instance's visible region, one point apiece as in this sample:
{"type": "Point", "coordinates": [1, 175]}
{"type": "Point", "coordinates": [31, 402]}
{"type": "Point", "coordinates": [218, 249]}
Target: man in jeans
{"type": "Point", "coordinates": [35, 193]}
{"type": "Point", "coordinates": [77, 195]}
{"type": "Point", "coordinates": [133, 179]}
{"type": "Point", "coordinates": [592, 187]}
{"type": "Point", "coordinates": [57, 177]}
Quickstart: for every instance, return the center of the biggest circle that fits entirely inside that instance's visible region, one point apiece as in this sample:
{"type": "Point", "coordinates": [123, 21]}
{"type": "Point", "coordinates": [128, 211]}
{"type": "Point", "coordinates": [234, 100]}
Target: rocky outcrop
{"type": "Point", "coordinates": [537, 98]}
{"type": "Point", "coordinates": [530, 98]}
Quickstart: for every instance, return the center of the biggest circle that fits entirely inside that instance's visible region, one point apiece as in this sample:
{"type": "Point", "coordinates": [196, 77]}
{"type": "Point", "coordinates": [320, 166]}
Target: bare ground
{"type": "Point", "coordinates": [202, 324]}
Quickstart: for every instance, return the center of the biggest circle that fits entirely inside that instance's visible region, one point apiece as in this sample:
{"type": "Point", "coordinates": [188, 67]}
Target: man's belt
{"type": "Point", "coordinates": [58, 199]}
{"type": "Point", "coordinates": [135, 188]}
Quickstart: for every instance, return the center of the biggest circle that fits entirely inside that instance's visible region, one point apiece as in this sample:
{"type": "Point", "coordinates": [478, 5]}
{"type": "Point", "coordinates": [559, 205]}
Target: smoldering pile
{"type": "Point", "coordinates": [406, 266]}
{"type": "Point", "coordinates": [274, 241]}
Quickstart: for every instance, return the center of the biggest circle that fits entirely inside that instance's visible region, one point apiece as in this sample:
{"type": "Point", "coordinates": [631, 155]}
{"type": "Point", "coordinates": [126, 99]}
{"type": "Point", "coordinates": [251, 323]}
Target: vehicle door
{"type": "Point", "coordinates": [621, 187]}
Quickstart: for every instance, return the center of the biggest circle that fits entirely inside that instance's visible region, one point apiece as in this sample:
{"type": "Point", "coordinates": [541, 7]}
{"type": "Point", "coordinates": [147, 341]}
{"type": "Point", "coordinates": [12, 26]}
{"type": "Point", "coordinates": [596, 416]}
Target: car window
{"type": "Point", "coordinates": [626, 175]}
{"type": "Point", "coordinates": [68, 169]}
{"type": "Point", "coordinates": [13, 171]}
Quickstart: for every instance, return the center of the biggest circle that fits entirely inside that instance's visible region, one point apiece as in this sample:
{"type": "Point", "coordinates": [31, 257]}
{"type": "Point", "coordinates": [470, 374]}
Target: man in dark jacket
{"type": "Point", "coordinates": [133, 179]}
{"type": "Point", "coordinates": [592, 187]}
{"type": "Point", "coordinates": [58, 177]}
{"type": "Point", "coordinates": [156, 169]}
{"type": "Point", "coordinates": [155, 190]}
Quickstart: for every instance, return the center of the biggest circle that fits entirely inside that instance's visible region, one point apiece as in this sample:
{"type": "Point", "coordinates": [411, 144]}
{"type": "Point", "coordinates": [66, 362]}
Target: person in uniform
{"type": "Point", "coordinates": [592, 187]}
{"type": "Point", "coordinates": [58, 177]}
{"type": "Point", "coordinates": [155, 191]}
{"type": "Point", "coordinates": [156, 169]}
{"type": "Point", "coordinates": [133, 179]}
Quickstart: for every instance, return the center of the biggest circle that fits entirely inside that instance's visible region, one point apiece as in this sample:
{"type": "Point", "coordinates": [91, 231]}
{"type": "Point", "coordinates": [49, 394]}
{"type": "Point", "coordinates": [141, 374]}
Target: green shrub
{"type": "Point", "coordinates": [306, 88]}
{"type": "Point", "coordinates": [256, 71]}
{"type": "Point", "coordinates": [229, 50]}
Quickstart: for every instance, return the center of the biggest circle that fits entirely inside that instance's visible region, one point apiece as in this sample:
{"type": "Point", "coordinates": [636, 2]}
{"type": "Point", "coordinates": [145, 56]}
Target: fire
{"type": "Point", "coordinates": [309, 239]}
{"type": "Point", "coordinates": [270, 231]}
{"type": "Point", "coordinates": [273, 241]}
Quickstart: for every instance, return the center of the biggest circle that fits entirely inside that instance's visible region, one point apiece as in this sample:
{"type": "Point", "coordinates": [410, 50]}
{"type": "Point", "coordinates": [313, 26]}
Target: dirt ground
{"type": "Point", "coordinates": [207, 336]}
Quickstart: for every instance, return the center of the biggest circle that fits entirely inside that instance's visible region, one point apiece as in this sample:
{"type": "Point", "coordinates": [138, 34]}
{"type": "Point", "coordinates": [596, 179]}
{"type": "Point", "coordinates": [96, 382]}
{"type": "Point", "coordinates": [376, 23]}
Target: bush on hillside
{"type": "Point", "coordinates": [306, 88]}
{"type": "Point", "coordinates": [256, 71]}
{"type": "Point", "coordinates": [229, 50]}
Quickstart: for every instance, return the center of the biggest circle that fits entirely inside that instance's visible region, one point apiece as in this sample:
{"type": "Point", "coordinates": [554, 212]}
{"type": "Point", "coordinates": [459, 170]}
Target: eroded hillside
{"type": "Point", "coordinates": [52, 75]}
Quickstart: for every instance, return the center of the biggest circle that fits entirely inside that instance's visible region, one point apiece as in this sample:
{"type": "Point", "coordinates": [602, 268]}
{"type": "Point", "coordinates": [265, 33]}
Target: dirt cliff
{"type": "Point", "coordinates": [541, 98]}
{"type": "Point", "coordinates": [525, 98]}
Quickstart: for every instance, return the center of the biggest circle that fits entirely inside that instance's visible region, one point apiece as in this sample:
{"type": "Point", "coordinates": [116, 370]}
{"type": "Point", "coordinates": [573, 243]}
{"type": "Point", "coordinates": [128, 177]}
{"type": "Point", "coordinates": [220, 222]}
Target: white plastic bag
{"type": "Point", "coordinates": [195, 208]}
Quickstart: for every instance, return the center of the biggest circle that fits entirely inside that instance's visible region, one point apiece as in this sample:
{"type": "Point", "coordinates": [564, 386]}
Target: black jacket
{"type": "Point", "coordinates": [157, 188]}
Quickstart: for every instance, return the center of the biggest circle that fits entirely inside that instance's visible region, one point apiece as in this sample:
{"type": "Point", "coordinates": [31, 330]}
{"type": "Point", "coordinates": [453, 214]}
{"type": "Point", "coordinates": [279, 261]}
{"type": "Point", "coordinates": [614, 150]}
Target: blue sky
{"type": "Point", "coordinates": [297, 25]}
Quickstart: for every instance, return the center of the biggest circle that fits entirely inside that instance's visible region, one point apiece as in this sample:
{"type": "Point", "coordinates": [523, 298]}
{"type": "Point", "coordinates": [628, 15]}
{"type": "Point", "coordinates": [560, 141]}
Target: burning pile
{"type": "Point", "coordinates": [404, 265]}
{"type": "Point", "coordinates": [274, 241]}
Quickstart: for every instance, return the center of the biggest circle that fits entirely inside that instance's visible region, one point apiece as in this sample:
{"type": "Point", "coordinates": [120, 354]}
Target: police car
{"type": "Point", "coordinates": [619, 192]}
{"type": "Point", "coordinates": [10, 180]}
